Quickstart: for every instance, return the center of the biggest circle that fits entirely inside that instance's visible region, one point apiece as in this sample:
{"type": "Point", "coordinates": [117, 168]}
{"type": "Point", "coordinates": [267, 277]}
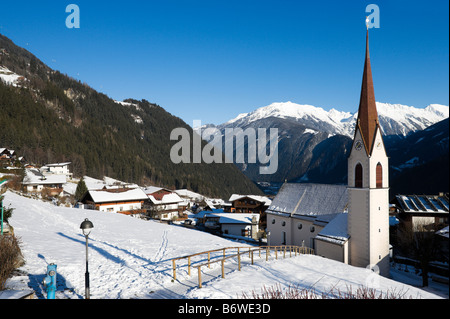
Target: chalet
{"type": "Point", "coordinates": [7, 156]}
{"type": "Point", "coordinates": [57, 169]}
{"type": "Point", "coordinates": [411, 210]}
{"type": "Point", "coordinates": [234, 225]}
{"type": "Point", "coordinates": [251, 204]}
{"type": "Point", "coordinates": [35, 182]}
{"type": "Point", "coordinates": [125, 200]}
{"type": "Point", "coordinates": [163, 204]}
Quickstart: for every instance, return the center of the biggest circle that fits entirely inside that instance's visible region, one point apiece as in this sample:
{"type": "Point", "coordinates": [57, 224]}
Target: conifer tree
{"type": "Point", "coordinates": [81, 190]}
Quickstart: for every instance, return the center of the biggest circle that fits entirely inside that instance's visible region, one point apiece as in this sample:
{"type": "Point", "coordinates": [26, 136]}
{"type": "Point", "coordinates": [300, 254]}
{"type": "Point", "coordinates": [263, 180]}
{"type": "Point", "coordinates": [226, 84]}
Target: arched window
{"type": "Point", "coordinates": [358, 176]}
{"type": "Point", "coordinates": [379, 176]}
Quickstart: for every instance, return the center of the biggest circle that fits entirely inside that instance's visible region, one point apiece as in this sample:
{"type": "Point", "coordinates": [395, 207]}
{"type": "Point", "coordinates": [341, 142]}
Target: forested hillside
{"type": "Point", "coordinates": [51, 117]}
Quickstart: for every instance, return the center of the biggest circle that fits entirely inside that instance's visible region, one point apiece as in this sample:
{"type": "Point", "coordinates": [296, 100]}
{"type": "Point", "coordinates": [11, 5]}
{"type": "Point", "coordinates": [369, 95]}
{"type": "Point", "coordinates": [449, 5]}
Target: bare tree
{"type": "Point", "coordinates": [419, 241]}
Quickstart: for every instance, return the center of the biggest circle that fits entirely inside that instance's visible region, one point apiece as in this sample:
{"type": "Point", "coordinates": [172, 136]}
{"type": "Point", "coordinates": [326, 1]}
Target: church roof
{"type": "Point", "coordinates": [312, 200]}
{"type": "Point", "coordinates": [367, 114]}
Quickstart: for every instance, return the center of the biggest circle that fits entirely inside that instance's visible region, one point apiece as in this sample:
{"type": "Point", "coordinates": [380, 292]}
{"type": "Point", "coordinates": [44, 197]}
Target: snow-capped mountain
{"type": "Point", "coordinates": [395, 119]}
{"type": "Point", "coordinates": [313, 143]}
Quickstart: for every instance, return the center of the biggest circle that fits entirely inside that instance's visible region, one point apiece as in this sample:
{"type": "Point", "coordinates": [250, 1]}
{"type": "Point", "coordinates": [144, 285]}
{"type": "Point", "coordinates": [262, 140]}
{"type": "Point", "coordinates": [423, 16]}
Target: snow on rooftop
{"type": "Point", "coordinates": [105, 196]}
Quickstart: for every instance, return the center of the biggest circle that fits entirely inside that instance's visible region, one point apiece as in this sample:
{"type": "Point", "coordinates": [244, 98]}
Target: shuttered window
{"type": "Point", "coordinates": [358, 176]}
{"type": "Point", "coordinates": [379, 176]}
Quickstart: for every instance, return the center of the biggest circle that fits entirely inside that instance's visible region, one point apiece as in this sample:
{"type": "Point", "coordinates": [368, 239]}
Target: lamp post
{"type": "Point", "coordinates": [86, 227]}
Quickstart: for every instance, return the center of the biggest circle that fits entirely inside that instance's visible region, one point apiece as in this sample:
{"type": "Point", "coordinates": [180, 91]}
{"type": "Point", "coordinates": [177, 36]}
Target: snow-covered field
{"type": "Point", "coordinates": [131, 258]}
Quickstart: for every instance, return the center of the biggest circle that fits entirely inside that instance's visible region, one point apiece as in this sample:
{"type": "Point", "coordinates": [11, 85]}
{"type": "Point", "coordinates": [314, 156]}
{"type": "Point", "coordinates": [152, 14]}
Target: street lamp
{"type": "Point", "coordinates": [86, 227]}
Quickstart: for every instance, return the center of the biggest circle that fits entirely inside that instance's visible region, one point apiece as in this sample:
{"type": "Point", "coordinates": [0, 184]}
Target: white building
{"type": "Point", "coordinates": [35, 182]}
{"type": "Point", "coordinates": [126, 200]}
{"type": "Point", "coordinates": [57, 169]}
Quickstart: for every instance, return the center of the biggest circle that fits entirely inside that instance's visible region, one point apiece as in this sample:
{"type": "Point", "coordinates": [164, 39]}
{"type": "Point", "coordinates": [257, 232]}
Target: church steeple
{"type": "Point", "coordinates": [367, 115]}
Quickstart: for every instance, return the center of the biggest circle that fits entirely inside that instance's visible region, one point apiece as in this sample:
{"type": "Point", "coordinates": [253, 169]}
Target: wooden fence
{"type": "Point", "coordinates": [220, 255]}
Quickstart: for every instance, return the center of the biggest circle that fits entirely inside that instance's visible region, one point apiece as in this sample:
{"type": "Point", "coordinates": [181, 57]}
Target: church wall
{"type": "Point", "coordinates": [298, 231]}
{"type": "Point", "coordinates": [331, 250]}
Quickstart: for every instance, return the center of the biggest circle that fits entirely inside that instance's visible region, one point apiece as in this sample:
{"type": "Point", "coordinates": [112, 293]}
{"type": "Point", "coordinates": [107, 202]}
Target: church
{"type": "Point", "coordinates": [348, 223]}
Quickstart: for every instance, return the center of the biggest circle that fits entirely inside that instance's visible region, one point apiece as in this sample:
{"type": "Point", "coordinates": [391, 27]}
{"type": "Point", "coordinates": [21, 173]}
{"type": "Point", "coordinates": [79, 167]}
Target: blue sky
{"type": "Point", "coordinates": [212, 60]}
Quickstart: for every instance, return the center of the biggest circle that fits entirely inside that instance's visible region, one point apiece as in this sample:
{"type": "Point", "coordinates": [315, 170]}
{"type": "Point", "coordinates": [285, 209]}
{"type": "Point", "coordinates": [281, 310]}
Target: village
{"type": "Point", "coordinates": [306, 215]}
{"type": "Point", "coordinates": [240, 216]}
{"type": "Point", "coordinates": [358, 224]}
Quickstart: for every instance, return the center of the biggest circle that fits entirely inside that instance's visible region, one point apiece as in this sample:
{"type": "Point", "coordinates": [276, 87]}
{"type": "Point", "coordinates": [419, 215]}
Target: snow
{"type": "Point", "coordinates": [395, 118]}
{"type": "Point", "coordinates": [131, 258]}
{"type": "Point", "coordinates": [9, 77]}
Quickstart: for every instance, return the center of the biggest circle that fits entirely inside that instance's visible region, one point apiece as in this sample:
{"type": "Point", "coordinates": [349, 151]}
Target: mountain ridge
{"type": "Point", "coordinates": [51, 117]}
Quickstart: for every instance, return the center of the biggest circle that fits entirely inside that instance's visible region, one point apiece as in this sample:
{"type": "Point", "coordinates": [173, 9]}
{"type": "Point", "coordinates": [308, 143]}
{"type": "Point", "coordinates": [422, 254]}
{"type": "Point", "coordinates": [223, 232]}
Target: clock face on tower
{"type": "Point", "coordinates": [358, 145]}
{"type": "Point", "coordinates": [378, 145]}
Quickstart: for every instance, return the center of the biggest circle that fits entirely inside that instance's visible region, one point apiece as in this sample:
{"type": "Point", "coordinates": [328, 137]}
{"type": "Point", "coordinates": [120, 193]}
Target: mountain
{"type": "Point", "coordinates": [48, 117]}
{"type": "Point", "coordinates": [395, 119]}
{"type": "Point", "coordinates": [313, 143]}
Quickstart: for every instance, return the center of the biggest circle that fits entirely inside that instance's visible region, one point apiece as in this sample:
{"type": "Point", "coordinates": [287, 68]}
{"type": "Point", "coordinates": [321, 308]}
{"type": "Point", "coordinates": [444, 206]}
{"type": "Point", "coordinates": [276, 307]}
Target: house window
{"type": "Point", "coordinates": [273, 221]}
{"type": "Point", "coordinates": [312, 229]}
{"type": "Point", "coordinates": [299, 226]}
{"type": "Point", "coordinates": [358, 176]}
{"type": "Point", "coordinates": [283, 223]}
{"type": "Point", "coordinates": [379, 176]}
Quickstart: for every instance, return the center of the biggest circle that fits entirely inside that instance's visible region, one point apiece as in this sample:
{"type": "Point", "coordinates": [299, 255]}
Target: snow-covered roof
{"type": "Point", "coordinates": [235, 218]}
{"type": "Point", "coordinates": [171, 198]}
{"type": "Point", "coordinates": [310, 200]}
{"type": "Point", "coordinates": [116, 195]}
{"type": "Point", "coordinates": [106, 182]}
{"type": "Point", "coordinates": [262, 199]}
{"type": "Point", "coordinates": [189, 194]}
{"type": "Point", "coordinates": [34, 177]}
{"type": "Point", "coordinates": [151, 189]}
{"type": "Point", "coordinates": [58, 164]}
{"type": "Point", "coordinates": [423, 203]}
{"type": "Point", "coordinates": [443, 232]}
{"type": "Point", "coordinates": [336, 230]}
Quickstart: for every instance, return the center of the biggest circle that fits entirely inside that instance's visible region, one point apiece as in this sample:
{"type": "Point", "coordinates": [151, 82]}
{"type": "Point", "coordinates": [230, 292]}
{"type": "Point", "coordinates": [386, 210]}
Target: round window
{"type": "Point", "coordinates": [283, 223]}
{"type": "Point", "coordinates": [299, 226]}
{"type": "Point", "coordinates": [273, 221]}
{"type": "Point", "coordinates": [312, 229]}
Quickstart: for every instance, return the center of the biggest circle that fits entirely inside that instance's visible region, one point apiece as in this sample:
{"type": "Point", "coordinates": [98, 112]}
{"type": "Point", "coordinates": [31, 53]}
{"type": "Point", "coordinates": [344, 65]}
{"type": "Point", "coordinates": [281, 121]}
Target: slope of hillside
{"type": "Point", "coordinates": [54, 118]}
{"type": "Point", "coordinates": [131, 258]}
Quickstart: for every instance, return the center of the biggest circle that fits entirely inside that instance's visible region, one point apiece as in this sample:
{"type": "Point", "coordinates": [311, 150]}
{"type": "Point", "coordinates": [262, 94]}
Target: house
{"type": "Point", "coordinates": [163, 204]}
{"type": "Point", "coordinates": [411, 210]}
{"type": "Point", "coordinates": [35, 182]}
{"type": "Point", "coordinates": [57, 169]}
{"type": "Point", "coordinates": [7, 156]}
{"type": "Point", "coordinates": [234, 225]}
{"type": "Point", "coordinates": [251, 204]}
{"type": "Point", "coordinates": [119, 200]}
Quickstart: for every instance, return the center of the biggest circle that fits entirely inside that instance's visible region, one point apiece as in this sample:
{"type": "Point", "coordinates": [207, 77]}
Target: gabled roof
{"type": "Point", "coordinates": [261, 199]}
{"type": "Point", "coordinates": [115, 195]}
{"type": "Point", "coordinates": [310, 200]}
{"type": "Point", "coordinates": [170, 198]}
{"type": "Point", "coordinates": [235, 218]}
{"type": "Point", "coordinates": [34, 177]}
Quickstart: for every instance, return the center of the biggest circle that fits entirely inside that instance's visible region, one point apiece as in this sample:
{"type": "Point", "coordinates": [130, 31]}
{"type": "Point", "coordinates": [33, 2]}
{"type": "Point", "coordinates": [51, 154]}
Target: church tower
{"type": "Point", "coordinates": [368, 184]}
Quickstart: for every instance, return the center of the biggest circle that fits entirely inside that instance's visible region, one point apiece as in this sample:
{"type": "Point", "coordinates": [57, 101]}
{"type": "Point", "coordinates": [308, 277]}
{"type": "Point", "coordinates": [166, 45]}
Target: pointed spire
{"type": "Point", "coordinates": [367, 114]}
